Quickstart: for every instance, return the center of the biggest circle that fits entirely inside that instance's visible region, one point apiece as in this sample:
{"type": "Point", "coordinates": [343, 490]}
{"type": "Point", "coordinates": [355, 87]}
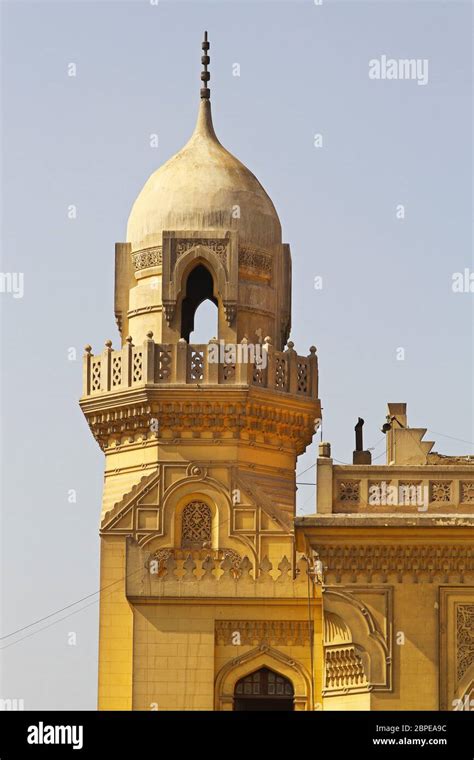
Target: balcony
{"type": "Point", "coordinates": [211, 364]}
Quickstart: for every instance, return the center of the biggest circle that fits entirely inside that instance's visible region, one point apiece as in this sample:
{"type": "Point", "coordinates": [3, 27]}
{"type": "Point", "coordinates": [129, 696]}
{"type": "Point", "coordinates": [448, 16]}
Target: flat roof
{"type": "Point", "coordinates": [366, 520]}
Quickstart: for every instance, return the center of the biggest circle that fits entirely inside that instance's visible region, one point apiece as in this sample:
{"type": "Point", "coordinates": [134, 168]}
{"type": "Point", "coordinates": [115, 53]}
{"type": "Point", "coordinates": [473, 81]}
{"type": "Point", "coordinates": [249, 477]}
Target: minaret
{"type": "Point", "coordinates": [200, 441]}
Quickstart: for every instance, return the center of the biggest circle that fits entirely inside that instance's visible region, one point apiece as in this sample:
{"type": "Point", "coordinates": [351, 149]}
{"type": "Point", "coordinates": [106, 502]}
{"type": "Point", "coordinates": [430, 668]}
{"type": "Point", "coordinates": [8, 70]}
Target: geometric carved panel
{"type": "Point", "coordinates": [196, 529]}
{"type": "Point", "coordinates": [456, 613]}
{"type": "Point", "coordinates": [464, 638]}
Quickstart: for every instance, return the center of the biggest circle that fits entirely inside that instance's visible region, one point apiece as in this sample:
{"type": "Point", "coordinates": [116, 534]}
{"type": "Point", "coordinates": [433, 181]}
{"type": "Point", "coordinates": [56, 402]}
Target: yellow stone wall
{"type": "Point", "coordinates": [400, 573]}
{"type": "Point", "coordinates": [415, 662]}
{"type": "Point", "coordinates": [177, 660]}
{"type": "Point", "coordinates": [163, 654]}
{"type": "Point", "coordinates": [115, 629]}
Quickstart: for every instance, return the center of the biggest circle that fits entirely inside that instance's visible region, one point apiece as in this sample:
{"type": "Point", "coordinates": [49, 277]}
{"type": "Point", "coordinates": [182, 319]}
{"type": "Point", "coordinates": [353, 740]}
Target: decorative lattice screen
{"type": "Point", "coordinates": [196, 526]}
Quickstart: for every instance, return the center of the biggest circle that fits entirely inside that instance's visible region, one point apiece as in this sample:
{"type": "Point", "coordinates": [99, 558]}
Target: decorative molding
{"type": "Point", "coordinates": [161, 556]}
{"type": "Point", "coordinates": [196, 530]}
{"type": "Point", "coordinates": [183, 574]}
{"type": "Point", "coordinates": [256, 260]}
{"type": "Point", "coordinates": [263, 656]}
{"type": "Point", "coordinates": [349, 490]}
{"type": "Point", "coordinates": [230, 308]}
{"type": "Point", "coordinates": [148, 257]}
{"type": "Point", "coordinates": [440, 491]}
{"type": "Point", "coordinates": [218, 246]}
{"type": "Point", "coordinates": [343, 669]}
{"type": "Point", "coordinates": [243, 419]}
{"type": "Point", "coordinates": [197, 471]}
{"type": "Point", "coordinates": [456, 643]}
{"type": "Point", "coordinates": [129, 501]}
{"type": "Point", "coordinates": [464, 638]}
{"type": "Point", "coordinates": [169, 309]}
{"type": "Point", "coordinates": [360, 636]}
{"type": "Point", "coordinates": [272, 632]}
{"type": "Point", "coordinates": [420, 562]}
{"type": "Point", "coordinates": [467, 492]}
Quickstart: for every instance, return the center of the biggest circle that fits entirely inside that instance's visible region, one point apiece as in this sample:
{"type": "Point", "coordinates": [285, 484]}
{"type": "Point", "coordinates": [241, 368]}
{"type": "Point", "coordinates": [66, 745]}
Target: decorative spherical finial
{"type": "Point", "coordinates": [205, 75]}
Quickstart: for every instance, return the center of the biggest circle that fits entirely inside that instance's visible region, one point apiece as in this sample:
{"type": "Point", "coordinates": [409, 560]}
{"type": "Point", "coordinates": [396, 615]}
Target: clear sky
{"type": "Point", "coordinates": [85, 141]}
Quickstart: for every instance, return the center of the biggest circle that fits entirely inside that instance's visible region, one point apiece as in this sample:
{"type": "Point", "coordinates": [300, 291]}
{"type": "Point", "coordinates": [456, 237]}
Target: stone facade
{"type": "Point", "coordinates": [214, 596]}
{"type": "Point", "coordinates": [397, 558]}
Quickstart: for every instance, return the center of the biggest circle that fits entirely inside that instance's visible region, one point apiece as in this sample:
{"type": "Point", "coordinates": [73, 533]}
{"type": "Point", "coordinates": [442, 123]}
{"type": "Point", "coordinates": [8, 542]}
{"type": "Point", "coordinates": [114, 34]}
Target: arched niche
{"type": "Point", "coordinates": [204, 489]}
{"type": "Point", "coordinates": [224, 273]}
{"type": "Point", "coordinates": [199, 287]}
{"type": "Point", "coordinates": [352, 619]}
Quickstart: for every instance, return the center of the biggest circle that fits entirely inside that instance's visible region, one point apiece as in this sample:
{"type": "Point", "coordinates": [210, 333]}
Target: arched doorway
{"type": "Point", "coordinates": [263, 690]}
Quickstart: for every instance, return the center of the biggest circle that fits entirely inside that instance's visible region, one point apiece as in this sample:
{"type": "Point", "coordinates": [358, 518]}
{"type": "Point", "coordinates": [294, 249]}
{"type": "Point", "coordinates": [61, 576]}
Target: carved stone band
{"type": "Point", "coordinates": [257, 260]}
{"type": "Point", "coordinates": [217, 245]}
{"type": "Point", "coordinates": [148, 257]}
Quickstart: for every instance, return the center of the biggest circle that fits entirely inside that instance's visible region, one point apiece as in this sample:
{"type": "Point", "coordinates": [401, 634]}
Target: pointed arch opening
{"type": "Point", "coordinates": [199, 293]}
{"type": "Point", "coordinates": [264, 689]}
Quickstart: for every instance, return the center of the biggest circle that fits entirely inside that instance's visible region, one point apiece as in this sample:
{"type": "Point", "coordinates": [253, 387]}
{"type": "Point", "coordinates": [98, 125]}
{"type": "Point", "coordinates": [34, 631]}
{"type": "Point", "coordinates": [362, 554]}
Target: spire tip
{"type": "Point", "coordinates": [205, 75]}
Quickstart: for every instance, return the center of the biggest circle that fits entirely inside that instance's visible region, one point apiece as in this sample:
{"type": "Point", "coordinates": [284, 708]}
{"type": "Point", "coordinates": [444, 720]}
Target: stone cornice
{"type": "Point", "coordinates": [380, 521]}
{"type": "Point", "coordinates": [248, 413]}
{"type": "Point", "coordinates": [417, 563]}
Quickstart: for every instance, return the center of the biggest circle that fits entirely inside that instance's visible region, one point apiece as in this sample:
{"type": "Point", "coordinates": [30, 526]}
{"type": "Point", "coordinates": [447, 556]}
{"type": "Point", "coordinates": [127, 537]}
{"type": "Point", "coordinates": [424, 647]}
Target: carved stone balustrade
{"type": "Point", "coordinates": [211, 577]}
{"type": "Point", "coordinates": [186, 364]}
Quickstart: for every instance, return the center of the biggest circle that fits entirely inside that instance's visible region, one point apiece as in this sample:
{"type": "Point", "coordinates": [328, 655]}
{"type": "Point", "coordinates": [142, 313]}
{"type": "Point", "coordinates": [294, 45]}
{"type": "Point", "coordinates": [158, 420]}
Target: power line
{"type": "Point", "coordinates": [308, 468]}
{"type": "Point", "coordinates": [453, 438]}
{"type": "Point", "coordinates": [50, 625]}
{"type": "Point", "coordinates": [67, 607]}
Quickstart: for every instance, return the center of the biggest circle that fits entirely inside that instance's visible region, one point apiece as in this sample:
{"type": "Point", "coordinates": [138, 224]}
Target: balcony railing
{"type": "Point", "coordinates": [213, 363]}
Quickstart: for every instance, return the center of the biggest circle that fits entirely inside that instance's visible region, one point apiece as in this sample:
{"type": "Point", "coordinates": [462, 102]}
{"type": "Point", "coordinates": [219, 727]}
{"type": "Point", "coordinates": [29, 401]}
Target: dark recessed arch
{"type": "Point", "coordinates": [264, 689]}
{"type": "Point", "coordinates": [199, 288]}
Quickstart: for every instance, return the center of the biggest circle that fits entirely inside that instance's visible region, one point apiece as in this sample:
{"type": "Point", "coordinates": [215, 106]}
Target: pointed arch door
{"type": "Point", "coordinates": [264, 689]}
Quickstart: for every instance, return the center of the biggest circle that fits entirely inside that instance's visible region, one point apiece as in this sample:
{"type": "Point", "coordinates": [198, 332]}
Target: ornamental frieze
{"type": "Point", "coordinates": [217, 245]}
{"type": "Point", "coordinates": [420, 563]}
{"type": "Point", "coordinates": [149, 257]}
{"type": "Point", "coordinates": [256, 260]}
{"type": "Point", "coordinates": [132, 424]}
{"type": "Point", "coordinates": [252, 632]}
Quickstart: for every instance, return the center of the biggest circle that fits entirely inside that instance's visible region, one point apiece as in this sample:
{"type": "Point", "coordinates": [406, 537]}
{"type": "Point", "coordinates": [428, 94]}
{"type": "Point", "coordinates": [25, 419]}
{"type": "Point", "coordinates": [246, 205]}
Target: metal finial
{"type": "Point", "coordinates": [205, 76]}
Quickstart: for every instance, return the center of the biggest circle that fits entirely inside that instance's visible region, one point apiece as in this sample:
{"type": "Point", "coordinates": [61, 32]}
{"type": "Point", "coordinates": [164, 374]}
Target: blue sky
{"type": "Point", "coordinates": [84, 140]}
